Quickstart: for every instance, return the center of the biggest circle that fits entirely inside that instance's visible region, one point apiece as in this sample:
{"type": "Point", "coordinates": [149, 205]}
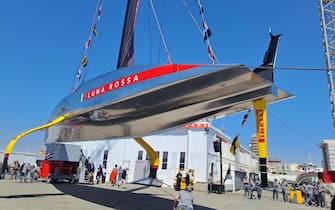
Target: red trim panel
{"type": "Point", "coordinates": [135, 78]}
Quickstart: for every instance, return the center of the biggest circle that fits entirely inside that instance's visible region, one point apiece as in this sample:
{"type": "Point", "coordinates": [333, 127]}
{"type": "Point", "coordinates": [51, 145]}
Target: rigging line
{"type": "Point", "coordinates": [92, 54]}
{"type": "Point", "coordinates": [293, 129]}
{"type": "Point", "coordinates": [161, 33]}
{"type": "Point", "coordinates": [304, 68]}
{"type": "Point", "coordinates": [90, 34]}
{"type": "Point", "coordinates": [192, 16]}
{"type": "Point", "coordinates": [149, 36]}
{"type": "Point", "coordinates": [207, 40]}
{"type": "Point", "coordinates": [94, 20]}
{"type": "Point", "coordinates": [293, 68]}
{"type": "Point", "coordinates": [197, 25]}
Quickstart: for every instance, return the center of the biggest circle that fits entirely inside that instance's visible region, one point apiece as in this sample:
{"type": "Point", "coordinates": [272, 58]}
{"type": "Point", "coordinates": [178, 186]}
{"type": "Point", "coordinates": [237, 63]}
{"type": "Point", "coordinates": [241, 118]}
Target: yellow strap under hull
{"type": "Point", "coordinates": [12, 143]}
{"type": "Point", "coordinates": [154, 160]}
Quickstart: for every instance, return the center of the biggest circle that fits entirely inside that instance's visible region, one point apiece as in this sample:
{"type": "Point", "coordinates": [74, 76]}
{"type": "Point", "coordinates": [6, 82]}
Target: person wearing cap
{"type": "Point", "coordinates": [183, 200]}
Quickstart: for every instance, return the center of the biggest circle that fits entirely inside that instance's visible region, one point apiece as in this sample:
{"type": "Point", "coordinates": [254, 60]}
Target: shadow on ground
{"type": "Point", "coordinates": [31, 195]}
{"type": "Point", "coordinates": [124, 200]}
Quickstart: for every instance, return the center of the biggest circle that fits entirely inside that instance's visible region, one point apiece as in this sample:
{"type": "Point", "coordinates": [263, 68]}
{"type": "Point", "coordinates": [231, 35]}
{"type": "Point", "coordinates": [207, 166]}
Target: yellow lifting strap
{"type": "Point", "coordinates": [154, 160]}
{"type": "Point", "coordinates": [11, 144]}
{"type": "Point", "coordinates": [261, 128]}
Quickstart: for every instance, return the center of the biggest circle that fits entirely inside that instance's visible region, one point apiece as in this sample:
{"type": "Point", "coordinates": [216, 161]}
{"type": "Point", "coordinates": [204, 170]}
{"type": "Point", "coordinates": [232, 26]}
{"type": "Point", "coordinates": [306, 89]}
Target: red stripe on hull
{"type": "Point", "coordinates": [135, 78]}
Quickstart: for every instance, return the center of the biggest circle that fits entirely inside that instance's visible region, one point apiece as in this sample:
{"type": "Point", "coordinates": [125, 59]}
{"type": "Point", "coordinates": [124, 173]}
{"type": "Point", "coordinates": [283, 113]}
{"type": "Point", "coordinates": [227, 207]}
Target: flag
{"type": "Point", "coordinates": [84, 61]}
{"type": "Point", "coordinates": [99, 12]}
{"type": "Point", "coordinates": [87, 43]}
{"type": "Point", "coordinates": [245, 118]}
{"type": "Point", "coordinates": [235, 145]}
{"type": "Point", "coordinates": [95, 31]}
{"type": "Point", "coordinates": [211, 54]}
{"type": "Point", "coordinates": [228, 174]}
{"type": "Point", "coordinates": [49, 155]}
{"type": "Point", "coordinates": [207, 31]}
{"type": "Point", "coordinates": [200, 7]}
{"type": "Point", "coordinates": [79, 74]}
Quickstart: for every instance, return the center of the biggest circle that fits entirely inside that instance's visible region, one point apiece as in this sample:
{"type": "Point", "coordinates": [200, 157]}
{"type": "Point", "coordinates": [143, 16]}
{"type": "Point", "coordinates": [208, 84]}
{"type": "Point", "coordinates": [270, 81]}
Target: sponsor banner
{"type": "Point", "coordinates": [260, 116]}
{"type": "Point", "coordinates": [197, 125]}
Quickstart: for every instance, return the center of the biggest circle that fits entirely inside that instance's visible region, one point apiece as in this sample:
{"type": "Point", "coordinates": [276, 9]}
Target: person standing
{"type": "Point", "coordinates": [252, 188]}
{"type": "Point", "coordinates": [322, 193]}
{"type": "Point", "coordinates": [24, 172]}
{"type": "Point", "coordinates": [246, 186]}
{"type": "Point", "coordinates": [113, 175]}
{"type": "Point", "coordinates": [90, 170]}
{"type": "Point", "coordinates": [178, 180]}
{"type": "Point", "coordinates": [21, 171]}
{"type": "Point", "coordinates": [119, 176]}
{"type": "Point", "coordinates": [187, 179]}
{"type": "Point", "coordinates": [259, 188]}
{"type": "Point", "coordinates": [124, 176]}
{"type": "Point", "coordinates": [304, 193]}
{"type": "Point", "coordinates": [310, 190]}
{"type": "Point", "coordinates": [275, 189]}
{"type": "Point", "coordinates": [81, 168]}
{"type": "Point", "coordinates": [316, 194]}
{"type": "Point", "coordinates": [210, 182]}
{"type": "Point", "coordinates": [99, 174]}
{"type": "Point", "coordinates": [184, 200]}
{"type": "Point", "coordinates": [284, 186]}
{"type": "Point", "coordinates": [104, 173]}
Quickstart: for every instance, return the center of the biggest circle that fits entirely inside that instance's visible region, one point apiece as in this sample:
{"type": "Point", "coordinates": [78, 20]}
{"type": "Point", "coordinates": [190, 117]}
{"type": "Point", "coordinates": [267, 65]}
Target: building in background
{"type": "Point", "coordinates": [190, 148]}
{"type": "Point", "coordinates": [253, 145]}
{"type": "Point", "coordinates": [328, 154]}
{"type": "Point", "coordinates": [275, 166]}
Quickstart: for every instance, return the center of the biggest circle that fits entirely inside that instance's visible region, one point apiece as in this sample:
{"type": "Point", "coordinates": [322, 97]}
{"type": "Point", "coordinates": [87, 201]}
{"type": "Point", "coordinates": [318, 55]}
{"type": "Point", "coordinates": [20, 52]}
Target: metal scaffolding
{"type": "Point", "coordinates": [327, 18]}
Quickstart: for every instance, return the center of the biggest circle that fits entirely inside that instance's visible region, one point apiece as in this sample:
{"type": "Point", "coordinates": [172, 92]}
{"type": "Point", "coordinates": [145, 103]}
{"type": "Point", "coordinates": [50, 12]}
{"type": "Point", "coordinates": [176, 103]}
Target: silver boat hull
{"type": "Point", "coordinates": [161, 101]}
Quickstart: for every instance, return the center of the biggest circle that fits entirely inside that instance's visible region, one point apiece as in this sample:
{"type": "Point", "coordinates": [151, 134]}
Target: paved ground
{"type": "Point", "coordinates": [43, 196]}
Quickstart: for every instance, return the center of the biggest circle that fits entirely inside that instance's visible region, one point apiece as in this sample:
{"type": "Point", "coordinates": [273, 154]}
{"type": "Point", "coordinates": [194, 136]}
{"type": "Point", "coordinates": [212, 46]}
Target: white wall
{"type": "Point", "coordinates": [197, 143]}
{"type": "Point", "coordinates": [23, 157]}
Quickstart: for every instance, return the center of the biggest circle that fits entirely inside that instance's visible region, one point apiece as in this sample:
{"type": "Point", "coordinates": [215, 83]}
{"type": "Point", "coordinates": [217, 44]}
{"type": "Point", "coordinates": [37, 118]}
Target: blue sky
{"type": "Point", "coordinates": [43, 41]}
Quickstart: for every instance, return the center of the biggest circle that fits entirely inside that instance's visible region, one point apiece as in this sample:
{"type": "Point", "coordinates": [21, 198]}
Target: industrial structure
{"type": "Point", "coordinates": [327, 11]}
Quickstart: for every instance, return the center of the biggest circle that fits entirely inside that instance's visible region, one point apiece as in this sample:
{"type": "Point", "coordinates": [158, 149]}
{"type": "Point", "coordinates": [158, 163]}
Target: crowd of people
{"type": "Point", "coordinates": [25, 172]}
{"type": "Point", "coordinates": [251, 186]}
{"type": "Point", "coordinates": [117, 176]}
{"type": "Point", "coordinates": [313, 194]}
{"type": "Point", "coordinates": [87, 170]}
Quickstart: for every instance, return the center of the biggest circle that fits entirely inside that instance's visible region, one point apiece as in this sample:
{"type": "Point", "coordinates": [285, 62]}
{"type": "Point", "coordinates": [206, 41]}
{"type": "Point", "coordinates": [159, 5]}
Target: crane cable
{"type": "Point", "coordinates": [161, 32]}
{"type": "Point", "coordinates": [80, 77]}
{"type": "Point", "coordinates": [289, 68]}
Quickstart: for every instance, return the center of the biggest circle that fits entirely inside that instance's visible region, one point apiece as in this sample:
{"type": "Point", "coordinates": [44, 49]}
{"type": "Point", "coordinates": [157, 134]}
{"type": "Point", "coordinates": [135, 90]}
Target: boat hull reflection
{"type": "Point", "coordinates": [159, 98]}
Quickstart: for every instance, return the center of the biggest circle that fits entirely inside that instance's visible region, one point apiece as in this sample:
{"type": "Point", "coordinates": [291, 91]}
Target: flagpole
{"type": "Point", "coordinates": [221, 178]}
